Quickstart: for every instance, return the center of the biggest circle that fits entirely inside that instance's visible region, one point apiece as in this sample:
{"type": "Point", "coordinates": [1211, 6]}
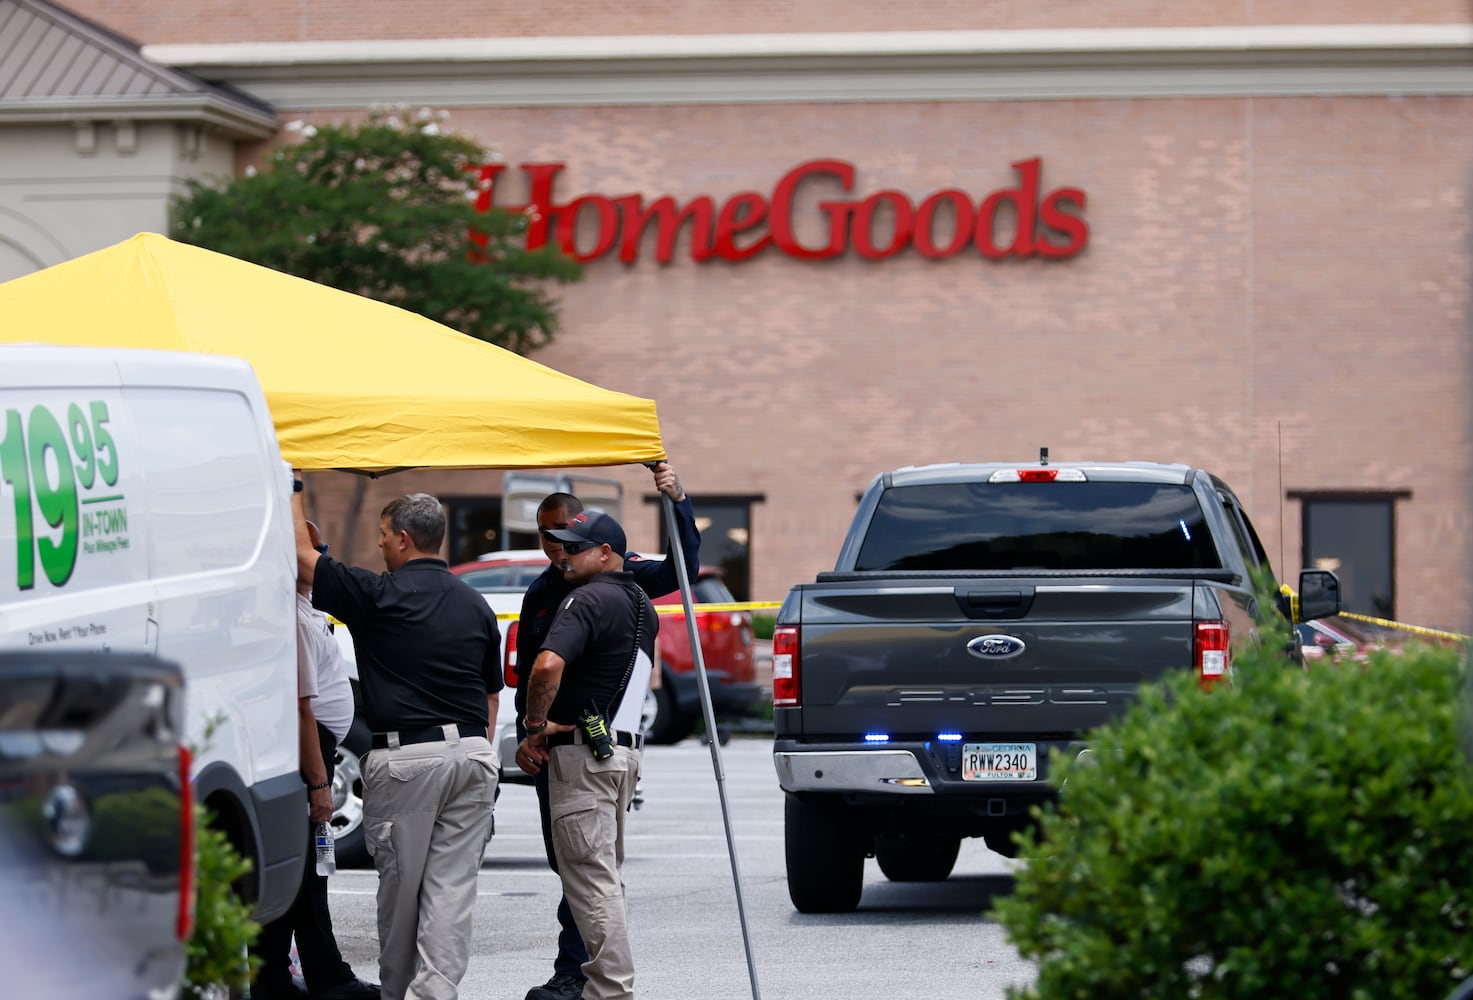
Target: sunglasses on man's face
{"type": "Point", "coordinates": [573, 548]}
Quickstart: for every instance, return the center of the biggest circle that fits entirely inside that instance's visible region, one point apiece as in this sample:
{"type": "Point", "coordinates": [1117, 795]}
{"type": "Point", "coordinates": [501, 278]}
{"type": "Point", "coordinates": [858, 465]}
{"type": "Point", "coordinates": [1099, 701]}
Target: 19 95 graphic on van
{"type": "Point", "coordinates": [145, 507]}
{"type": "Point", "coordinates": [66, 472]}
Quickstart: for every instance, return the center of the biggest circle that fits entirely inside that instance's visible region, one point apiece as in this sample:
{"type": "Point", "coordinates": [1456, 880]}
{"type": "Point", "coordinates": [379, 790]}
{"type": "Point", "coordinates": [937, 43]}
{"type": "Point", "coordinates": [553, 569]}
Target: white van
{"type": "Point", "coordinates": [144, 506]}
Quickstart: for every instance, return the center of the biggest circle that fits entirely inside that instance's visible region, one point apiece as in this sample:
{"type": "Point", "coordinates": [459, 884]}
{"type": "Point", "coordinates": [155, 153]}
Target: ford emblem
{"type": "Point", "coordinates": [995, 647]}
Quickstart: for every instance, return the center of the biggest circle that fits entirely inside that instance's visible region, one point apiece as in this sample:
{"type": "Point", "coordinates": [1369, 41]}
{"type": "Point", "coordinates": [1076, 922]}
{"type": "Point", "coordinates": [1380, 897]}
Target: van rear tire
{"type": "Point", "coordinates": [825, 858]}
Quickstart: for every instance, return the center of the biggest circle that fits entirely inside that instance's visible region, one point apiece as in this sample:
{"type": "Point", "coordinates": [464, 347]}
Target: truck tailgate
{"type": "Point", "coordinates": [1023, 655]}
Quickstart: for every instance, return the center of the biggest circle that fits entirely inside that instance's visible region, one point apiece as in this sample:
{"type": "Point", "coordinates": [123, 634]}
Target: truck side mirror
{"type": "Point", "coordinates": [1319, 594]}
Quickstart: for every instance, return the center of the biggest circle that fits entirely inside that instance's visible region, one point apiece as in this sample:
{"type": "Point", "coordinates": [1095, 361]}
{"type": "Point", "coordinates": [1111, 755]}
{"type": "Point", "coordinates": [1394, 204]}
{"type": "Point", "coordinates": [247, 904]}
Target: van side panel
{"type": "Point", "coordinates": [73, 535]}
{"type": "Point", "coordinates": [144, 506]}
{"type": "Point", "coordinates": [222, 606]}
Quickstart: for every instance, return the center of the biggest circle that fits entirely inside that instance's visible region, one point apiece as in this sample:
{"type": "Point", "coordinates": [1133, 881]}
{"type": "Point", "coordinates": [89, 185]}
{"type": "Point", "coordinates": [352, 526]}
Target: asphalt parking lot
{"type": "Point", "coordinates": [905, 940]}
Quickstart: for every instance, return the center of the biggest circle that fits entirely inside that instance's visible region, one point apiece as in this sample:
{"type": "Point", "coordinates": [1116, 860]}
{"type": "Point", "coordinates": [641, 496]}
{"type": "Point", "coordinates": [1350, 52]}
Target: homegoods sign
{"type": "Point", "coordinates": [1020, 220]}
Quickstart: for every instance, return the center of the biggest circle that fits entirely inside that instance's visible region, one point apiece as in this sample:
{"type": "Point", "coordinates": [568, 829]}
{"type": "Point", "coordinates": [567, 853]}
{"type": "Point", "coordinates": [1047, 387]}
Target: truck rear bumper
{"type": "Point", "coordinates": [880, 770]}
{"type": "Point", "coordinates": [921, 768]}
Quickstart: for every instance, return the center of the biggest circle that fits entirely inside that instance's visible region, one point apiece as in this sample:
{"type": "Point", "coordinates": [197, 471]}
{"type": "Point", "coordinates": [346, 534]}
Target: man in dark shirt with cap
{"type": "Point", "coordinates": [582, 721]}
{"type": "Point", "coordinates": [428, 648]}
{"type": "Point", "coordinates": [539, 605]}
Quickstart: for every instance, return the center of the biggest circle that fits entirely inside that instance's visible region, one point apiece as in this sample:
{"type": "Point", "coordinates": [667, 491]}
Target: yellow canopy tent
{"type": "Point", "coordinates": [352, 383]}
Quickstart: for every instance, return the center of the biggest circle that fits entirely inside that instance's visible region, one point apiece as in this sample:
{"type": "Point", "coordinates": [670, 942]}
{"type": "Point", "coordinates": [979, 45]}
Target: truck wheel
{"type": "Point", "coordinates": [349, 847]}
{"type": "Point", "coordinates": [825, 858]}
{"type": "Point", "coordinates": [668, 726]}
{"type": "Point", "coordinates": [912, 858]}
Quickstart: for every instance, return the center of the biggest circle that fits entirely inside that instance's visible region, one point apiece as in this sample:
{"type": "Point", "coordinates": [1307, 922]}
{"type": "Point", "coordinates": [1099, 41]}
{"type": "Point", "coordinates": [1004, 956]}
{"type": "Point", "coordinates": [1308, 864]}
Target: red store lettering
{"type": "Point", "coordinates": [1019, 221]}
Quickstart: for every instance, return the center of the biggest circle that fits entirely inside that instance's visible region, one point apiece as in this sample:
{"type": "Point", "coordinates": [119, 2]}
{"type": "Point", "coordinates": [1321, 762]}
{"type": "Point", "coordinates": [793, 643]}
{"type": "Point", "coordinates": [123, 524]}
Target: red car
{"type": "Point", "coordinates": [1339, 637]}
{"type": "Point", "coordinates": [674, 705]}
{"type": "Point", "coordinates": [727, 651]}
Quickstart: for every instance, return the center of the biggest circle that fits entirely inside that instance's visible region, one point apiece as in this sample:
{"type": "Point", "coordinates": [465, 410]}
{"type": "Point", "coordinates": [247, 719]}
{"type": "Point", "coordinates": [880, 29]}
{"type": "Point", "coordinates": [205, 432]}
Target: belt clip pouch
{"type": "Point", "coordinates": [596, 731]}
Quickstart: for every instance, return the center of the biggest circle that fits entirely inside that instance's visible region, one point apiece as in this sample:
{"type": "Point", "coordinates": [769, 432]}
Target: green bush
{"type": "Point", "coordinates": [137, 825]}
{"type": "Point", "coordinates": [763, 623]}
{"type": "Point", "coordinates": [223, 929]}
{"type": "Point", "coordinates": [1299, 834]}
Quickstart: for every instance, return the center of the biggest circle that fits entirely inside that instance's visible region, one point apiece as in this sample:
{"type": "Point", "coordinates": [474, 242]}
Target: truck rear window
{"type": "Point", "coordinates": [1020, 526]}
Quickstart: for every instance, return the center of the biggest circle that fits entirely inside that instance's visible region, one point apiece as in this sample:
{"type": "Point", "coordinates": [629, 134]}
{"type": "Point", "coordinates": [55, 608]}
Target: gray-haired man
{"type": "Point", "coordinates": [428, 651]}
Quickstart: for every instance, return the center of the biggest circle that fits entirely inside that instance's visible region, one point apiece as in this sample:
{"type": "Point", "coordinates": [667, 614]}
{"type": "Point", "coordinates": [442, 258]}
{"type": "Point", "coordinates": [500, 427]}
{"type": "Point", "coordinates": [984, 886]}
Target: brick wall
{"type": "Point", "coordinates": [1275, 289]}
{"type": "Point", "coordinates": [1263, 278]}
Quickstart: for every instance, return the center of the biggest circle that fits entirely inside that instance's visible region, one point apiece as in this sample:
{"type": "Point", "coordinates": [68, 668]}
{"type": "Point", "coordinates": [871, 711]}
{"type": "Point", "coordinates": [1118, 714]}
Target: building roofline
{"type": "Point", "coordinates": [1405, 38]}
{"type": "Point", "coordinates": [868, 66]}
{"type": "Point", "coordinates": [150, 90]}
{"type": "Point", "coordinates": [210, 110]}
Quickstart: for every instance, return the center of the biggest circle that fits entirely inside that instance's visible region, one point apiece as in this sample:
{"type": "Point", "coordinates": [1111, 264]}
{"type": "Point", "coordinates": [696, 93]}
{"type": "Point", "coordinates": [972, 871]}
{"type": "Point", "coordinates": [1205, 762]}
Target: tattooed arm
{"type": "Point", "coordinates": [547, 675]}
{"type": "Point", "coordinates": [542, 687]}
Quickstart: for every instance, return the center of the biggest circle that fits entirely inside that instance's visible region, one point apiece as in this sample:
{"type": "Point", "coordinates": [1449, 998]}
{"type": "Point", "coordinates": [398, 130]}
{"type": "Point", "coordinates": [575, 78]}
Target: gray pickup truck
{"type": "Point", "coordinates": [96, 832]}
{"type": "Point", "coordinates": [979, 618]}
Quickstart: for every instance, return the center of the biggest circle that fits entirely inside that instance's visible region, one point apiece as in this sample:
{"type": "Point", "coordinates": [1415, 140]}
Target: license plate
{"type": "Point", "coordinates": [999, 762]}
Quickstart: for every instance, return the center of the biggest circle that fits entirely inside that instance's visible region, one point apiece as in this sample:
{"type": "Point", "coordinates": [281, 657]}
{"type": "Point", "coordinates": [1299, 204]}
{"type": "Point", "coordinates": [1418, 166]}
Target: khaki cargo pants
{"type": "Point", "coordinates": [589, 801]}
{"type": "Point", "coordinates": [427, 820]}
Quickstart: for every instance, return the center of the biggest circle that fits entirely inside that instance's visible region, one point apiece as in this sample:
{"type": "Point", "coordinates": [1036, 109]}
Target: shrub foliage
{"type": "Point", "coordinates": [223, 929]}
{"type": "Point", "coordinates": [1298, 834]}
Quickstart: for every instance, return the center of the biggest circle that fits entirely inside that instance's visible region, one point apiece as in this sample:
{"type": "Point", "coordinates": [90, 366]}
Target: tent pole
{"type": "Point", "coordinates": [713, 737]}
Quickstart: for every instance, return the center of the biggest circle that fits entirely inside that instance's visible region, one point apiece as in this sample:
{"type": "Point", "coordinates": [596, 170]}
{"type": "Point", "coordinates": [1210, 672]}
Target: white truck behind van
{"type": "Point", "coordinates": [144, 506]}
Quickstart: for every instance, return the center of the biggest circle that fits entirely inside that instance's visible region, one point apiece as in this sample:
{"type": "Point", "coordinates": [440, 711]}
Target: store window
{"type": "Point", "coordinates": [725, 523]}
{"type": "Point", "coordinates": [473, 527]}
{"type": "Point", "coordinates": [1354, 535]}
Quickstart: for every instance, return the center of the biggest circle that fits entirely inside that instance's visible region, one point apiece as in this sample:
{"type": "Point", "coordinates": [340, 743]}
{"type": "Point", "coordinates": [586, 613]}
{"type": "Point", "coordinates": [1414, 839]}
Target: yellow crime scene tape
{"type": "Point", "coordinates": [1434, 633]}
{"type": "Point", "coordinates": [664, 609]}
{"type": "Point", "coordinates": [676, 609]}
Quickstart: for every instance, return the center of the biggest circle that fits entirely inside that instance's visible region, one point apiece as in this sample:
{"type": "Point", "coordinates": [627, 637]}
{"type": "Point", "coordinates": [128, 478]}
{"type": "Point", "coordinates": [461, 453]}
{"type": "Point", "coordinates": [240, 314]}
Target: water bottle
{"type": "Point", "coordinates": [326, 858]}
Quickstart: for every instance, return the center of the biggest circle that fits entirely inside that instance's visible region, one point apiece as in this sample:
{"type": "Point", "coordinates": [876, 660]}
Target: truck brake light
{"type": "Point", "coordinates": [509, 661]}
{"type": "Point", "coordinates": [184, 920]}
{"type": "Point", "coordinates": [1210, 653]}
{"type": "Point", "coordinates": [1038, 475]}
{"type": "Point", "coordinates": [786, 676]}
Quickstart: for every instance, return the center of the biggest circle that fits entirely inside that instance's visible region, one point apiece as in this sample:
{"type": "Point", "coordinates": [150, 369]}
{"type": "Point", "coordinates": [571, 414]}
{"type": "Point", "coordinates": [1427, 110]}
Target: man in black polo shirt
{"type": "Point", "coordinates": [427, 648]}
{"type": "Point", "coordinates": [595, 662]}
{"type": "Point", "coordinates": [656, 577]}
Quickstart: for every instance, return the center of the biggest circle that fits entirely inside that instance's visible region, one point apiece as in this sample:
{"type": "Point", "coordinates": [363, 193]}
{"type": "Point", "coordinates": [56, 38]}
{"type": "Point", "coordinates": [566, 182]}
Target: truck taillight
{"type": "Point", "coordinates": [184, 920]}
{"type": "Point", "coordinates": [509, 661]}
{"type": "Point", "coordinates": [1210, 653]}
{"type": "Point", "coordinates": [786, 689]}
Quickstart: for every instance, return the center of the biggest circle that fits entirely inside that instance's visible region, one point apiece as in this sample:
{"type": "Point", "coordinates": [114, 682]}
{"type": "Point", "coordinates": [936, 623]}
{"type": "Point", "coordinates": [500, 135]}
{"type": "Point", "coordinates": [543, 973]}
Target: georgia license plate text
{"type": "Point", "coordinates": [999, 762]}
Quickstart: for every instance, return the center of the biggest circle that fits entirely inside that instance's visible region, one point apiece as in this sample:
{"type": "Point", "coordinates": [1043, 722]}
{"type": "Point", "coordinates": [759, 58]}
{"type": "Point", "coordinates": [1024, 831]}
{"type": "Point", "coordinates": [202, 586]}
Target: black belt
{"type": "Point", "coordinates": [428, 734]}
{"type": "Point", "coordinates": [619, 736]}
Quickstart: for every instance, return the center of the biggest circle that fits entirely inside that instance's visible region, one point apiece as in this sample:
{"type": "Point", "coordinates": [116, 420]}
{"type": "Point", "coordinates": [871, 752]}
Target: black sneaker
{"type": "Point", "coordinates": [353, 989]}
{"type": "Point", "coordinates": [560, 987]}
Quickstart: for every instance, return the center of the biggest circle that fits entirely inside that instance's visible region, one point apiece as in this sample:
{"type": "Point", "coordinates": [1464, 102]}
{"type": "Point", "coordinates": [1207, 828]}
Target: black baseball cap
{"type": "Point", "coordinates": [588, 529]}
